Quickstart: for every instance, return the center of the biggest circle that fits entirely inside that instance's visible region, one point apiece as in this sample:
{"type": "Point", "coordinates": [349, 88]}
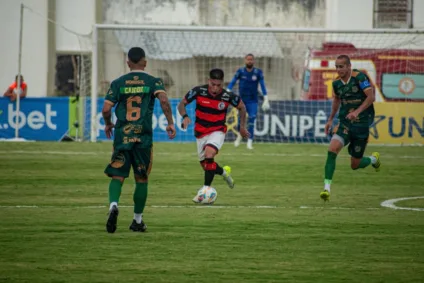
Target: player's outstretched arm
{"type": "Point", "coordinates": [167, 111]}
{"type": "Point", "coordinates": [242, 114]}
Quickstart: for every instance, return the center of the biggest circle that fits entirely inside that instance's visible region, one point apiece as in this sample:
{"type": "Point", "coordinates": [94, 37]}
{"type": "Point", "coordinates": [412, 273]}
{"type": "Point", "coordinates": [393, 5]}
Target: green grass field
{"type": "Point", "coordinates": [271, 228]}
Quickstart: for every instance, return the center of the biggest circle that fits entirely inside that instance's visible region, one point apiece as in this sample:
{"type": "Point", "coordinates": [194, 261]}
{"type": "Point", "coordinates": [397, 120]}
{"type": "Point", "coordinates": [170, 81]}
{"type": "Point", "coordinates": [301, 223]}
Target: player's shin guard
{"type": "Point", "coordinates": [140, 197]}
{"type": "Point", "coordinates": [330, 165]}
{"type": "Point", "coordinates": [115, 187]}
{"type": "Point", "coordinates": [211, 168]}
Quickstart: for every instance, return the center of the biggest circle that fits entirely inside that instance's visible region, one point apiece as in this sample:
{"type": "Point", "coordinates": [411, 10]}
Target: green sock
{"type": "Point", "coordinates": [330, 165]}
{"type": "Point", "coordinates": [365, 161]}
{"type": "Point", "coordinates": [114, 190]}
{"type": "Point", "coordinates": [140, 197]}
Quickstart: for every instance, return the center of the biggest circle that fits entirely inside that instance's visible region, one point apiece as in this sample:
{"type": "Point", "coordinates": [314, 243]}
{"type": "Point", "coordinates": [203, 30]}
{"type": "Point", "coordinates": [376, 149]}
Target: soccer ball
{"type": "Point", "coordinates": [207, 195]}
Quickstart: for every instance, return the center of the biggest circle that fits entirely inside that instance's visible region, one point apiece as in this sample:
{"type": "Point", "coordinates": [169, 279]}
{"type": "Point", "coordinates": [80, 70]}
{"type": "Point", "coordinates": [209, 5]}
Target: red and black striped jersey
{"type": "Point", "coordinates": [211, 110]}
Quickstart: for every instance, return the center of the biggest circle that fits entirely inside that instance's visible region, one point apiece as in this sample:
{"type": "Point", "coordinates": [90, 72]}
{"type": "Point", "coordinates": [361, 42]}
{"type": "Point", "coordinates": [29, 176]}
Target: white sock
{"type": "Point", "coordinates": [138, 217]}
{"type": "Point", "coordinates": [112, 204]}
{"type": "Point", "coordinates": [249, 142]}
{"type": "Point", "coordinates": [224, 173]}
{"type": "Point", "coordinates": [327, 187]}
{"type": "Point", "coordinates": [373, 159]}
{"type": "Point", "coordinates": [327, 184]}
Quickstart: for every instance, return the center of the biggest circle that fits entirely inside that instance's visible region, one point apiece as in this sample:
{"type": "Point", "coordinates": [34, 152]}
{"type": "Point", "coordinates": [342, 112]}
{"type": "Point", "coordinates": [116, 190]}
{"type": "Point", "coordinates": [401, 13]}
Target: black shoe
{"type": "Point", "coordinates": [138, 227]}
{"type": "Point", "coordinates": [112, 220]}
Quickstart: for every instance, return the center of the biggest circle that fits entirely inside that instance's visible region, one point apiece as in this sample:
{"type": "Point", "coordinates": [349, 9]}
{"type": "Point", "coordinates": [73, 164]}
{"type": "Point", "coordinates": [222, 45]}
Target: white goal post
{"type": "Point", "coordinates": [298, 64]}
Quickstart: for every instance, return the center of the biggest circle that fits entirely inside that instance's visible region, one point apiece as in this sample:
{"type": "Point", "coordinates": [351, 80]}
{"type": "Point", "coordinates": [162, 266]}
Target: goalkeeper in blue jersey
{"type": "Point", "coordinates": [250, 77]}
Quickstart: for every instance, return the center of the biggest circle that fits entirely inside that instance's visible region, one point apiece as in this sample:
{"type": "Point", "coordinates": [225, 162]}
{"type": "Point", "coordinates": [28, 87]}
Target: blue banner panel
{"type": "Point", "coordinates": [288, 121]}
{"type": "Point", "coordinates": [294, 121]}
{"type": "Point", "coordinates": [159, 122]}
{"type": "Point", "coordinates": [41, 119]}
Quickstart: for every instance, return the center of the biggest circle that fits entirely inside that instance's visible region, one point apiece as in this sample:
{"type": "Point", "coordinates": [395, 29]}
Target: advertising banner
{"type": "Point", "coordinates": [398, 123]}
{"type": "Point", "coordinates": [289, 121]}
{"type": "Point", "coordinates": [41, 119]}
{"type": "Point", "coordinates": [159, 122]}
{"type": "Point", "coordinates": [49, 119]}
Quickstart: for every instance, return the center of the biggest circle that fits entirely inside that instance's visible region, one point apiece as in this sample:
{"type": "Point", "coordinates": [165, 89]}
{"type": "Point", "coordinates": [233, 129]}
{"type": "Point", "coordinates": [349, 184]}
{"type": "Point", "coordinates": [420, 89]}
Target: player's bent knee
{"type": "Point", "coordinates": [335, 146]}
{"type": "Point", "coordinates": [210, 151]}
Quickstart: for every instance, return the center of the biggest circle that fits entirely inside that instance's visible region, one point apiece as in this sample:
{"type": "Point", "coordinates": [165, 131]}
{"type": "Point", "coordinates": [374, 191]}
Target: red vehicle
{"type": "Point", "coordinates": [397, 74]}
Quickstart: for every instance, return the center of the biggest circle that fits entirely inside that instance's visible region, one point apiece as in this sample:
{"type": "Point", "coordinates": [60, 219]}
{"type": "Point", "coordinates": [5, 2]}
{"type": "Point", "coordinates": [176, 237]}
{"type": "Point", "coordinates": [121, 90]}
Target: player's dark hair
{"type": "Point", "coordinates": [135, 54]}
{"type": "Point", "coordinates": [17, 76]}
{"type": "Point", "coordinates": [216, 74]}
{"type": "Point", "coordinates": [345, 57]}
{"type": "Point", "coordinates": [250, 54]}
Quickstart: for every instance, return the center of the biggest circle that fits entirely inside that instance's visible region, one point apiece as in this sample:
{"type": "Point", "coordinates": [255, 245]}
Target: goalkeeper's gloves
{"type": "Point", "coordinates": [265, 104]}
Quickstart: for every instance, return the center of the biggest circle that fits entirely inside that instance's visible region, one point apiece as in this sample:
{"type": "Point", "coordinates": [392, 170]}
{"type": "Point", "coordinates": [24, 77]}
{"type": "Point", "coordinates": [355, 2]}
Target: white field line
{"type": "Point", "coordinates": [390, 203]}
{"type": "Point", "coordinates": [8, 152]}
{"type": "Point", "coordinates": [191, 206]}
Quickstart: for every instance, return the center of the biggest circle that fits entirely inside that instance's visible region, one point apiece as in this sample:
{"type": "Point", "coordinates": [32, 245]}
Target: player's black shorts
{"type": "Point", "coordinates": [354, 136]}
{"type": "Point", "coordinates": [140, 159]}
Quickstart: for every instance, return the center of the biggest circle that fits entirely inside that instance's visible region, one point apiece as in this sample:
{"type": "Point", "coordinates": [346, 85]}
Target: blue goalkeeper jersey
{"type": "Point", "coordinates": [248, 85]}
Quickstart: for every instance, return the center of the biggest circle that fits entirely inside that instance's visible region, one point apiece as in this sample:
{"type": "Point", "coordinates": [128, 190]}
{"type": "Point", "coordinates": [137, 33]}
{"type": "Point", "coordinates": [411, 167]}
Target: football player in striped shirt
{"type": "Point", "coordinates": [212, 102]}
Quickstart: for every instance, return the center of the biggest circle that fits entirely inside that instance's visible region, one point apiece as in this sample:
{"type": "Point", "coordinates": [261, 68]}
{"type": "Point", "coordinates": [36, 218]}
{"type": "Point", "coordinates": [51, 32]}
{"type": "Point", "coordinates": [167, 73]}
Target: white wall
{"type": "Point", "coordinates": [347, 14]}
{"type": "Point", "coordinates": [34, 50]}
{"type": "Point", "coordinates": [214, 12]}
{"type": "Point", "coordinates": [417, 14]}
{"type": "Point", "coordinates": [340, 14]}
{"type": "Point", "coordinates": [77, 16]}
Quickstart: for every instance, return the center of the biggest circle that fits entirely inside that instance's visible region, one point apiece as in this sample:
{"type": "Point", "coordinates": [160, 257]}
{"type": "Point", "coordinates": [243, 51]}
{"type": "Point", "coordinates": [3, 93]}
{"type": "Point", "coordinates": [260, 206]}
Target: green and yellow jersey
{"type": "Point", "coordinates": [352, 95]}
{"type": "Point", "coordinates": [134, 96]}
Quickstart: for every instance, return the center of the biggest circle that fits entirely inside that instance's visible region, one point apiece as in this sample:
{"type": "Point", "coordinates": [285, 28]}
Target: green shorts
{"type": "Point", "coordinates": [139, 158]}
{"type": "Point", "coordinates": [355, 137]}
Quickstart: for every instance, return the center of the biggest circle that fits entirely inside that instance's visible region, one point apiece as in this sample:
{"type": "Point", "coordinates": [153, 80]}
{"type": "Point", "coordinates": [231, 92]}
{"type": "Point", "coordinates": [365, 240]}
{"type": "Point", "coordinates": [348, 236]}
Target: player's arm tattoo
{"type": "Point", "coordinates": [242, 113]}
{"type": "Point", "coordinates": [107, 112]}
{"type": "Point", "coordinates": [369, 92]}
{"type": "Point", "coordinates": [166, 107]}
{"type": "Point", "coordinates": [334, 107]}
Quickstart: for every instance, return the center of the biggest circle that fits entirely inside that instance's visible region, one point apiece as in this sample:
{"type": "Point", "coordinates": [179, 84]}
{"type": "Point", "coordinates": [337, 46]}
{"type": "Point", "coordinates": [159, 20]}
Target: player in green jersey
{"type": "Point", "coordinates": [353, 99]}
{"type": "Point", "coordinates": [134, 95]}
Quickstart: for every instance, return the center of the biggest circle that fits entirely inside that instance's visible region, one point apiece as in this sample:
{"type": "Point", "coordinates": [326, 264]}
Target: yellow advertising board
{"type": "Point", "coordinates": [398, 123]}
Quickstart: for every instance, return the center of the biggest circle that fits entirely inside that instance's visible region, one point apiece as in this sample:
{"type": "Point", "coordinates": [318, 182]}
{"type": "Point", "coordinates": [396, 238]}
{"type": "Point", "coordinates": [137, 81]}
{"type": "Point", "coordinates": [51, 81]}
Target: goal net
{"type": "Point", "coordinates": [298, 66]}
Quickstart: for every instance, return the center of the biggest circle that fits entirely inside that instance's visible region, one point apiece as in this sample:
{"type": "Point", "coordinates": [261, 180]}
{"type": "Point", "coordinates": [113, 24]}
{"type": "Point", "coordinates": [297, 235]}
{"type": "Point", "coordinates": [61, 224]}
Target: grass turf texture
{"type": "Point", "coordinates": [350, 239]}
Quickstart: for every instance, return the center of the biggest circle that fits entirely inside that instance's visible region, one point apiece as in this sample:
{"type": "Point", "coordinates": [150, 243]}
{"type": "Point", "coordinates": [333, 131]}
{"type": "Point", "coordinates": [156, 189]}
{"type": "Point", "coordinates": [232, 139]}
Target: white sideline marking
{"type": "Point", "coordinates": [185, 154]}
{"type": "Point", "coordinates": [390, 203]}
{"type": "Point", "coordinates": [338, 208]}
{"type": "Point", "coordinates": [195, 206]}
